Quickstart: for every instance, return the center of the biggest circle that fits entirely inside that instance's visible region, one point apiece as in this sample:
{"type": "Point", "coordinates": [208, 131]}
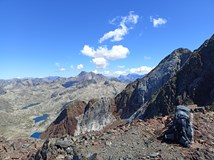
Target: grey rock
{"type": "Point", "coordinates": [63, 144]}
{"type": "Point", "coordinates": [69, 150]}
{"type": "Point", "coordinates": [155, 154]}
{"type": "Point", "coordinates": [97, 114]}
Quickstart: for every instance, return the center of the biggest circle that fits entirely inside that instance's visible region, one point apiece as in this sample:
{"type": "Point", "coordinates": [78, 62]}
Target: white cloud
{"type": "Point", "coordinates": [141, 70]}
{"type": "Point", "coordinates": [100, 62]}
{"type": "Point", "coordinates": [88, 51]}
{"type": "Point", "coordinates": [80, 66]}
{"type": "Point", "coordinates": [157, 22]}
{"type": "Point", "coordinates": [62, 69]}
{"type": "Point", "coordinates": [124, 26]}
{"type": "Point", "coordinates": [116, 52]}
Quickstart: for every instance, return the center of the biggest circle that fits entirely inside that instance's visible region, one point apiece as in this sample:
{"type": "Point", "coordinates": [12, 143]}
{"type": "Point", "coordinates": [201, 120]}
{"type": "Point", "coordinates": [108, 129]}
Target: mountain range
{"type": "Point", "coordinates": [23, 100]}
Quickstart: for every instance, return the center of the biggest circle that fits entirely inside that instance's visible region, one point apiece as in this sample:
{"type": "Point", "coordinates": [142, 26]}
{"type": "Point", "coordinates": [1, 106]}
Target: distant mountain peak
{"type": "Point", "coordinates": [130, 77]}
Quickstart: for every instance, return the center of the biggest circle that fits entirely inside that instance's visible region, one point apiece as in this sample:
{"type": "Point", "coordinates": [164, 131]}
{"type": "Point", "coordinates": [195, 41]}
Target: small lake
{"type": "Point", "coordinates": [36, 135]}
{"type": "Point", "coordinates": [41, 118]}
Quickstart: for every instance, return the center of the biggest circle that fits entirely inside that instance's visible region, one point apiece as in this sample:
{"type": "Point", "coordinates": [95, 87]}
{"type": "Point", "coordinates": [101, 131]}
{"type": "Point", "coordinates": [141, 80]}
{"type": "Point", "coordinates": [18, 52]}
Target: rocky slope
{"type": "Point", "coordinates": [140, 91]}
{"type": "Point", "coordinates": [22, 100]}
{"type": "Point", "coordinates": [137, 140]}
{"type": "Point", "coordinates": [193, 84]}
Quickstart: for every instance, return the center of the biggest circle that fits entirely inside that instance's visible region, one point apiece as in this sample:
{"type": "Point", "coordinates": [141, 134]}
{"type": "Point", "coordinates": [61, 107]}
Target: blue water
{"type": "Point", "coordinates": [41, 118]}
{"type": "Point", "coordinates": [36, 135]}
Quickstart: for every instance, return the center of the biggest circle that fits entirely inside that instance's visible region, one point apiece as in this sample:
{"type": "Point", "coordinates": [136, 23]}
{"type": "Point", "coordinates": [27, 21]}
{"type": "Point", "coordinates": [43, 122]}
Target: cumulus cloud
{"type": "Point", "coordinates": [100, 62]}
{"type": "Point", "coordinates": [141, 70]}
{"type": "Point", "coordinates": [80, 66]}
{"type": "Point", "coordinates": [158, 21]}
{"type": "Point", "coordinates": [124, 26]}
{"type": "Point", "coordinates": [116, 52]}
{"type": "Point", "coordinates": [102, 54]}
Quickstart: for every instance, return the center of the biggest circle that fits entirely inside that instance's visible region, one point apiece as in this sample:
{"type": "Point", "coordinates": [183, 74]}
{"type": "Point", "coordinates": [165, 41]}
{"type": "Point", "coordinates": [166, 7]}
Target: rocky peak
{"type": "Point", "coordinates": [193, 84]}
{"type": "Point", "coordinates": [140, 91]}
{"type": "Point", "coordinates": [84, 76]}
{"type": "Point", "coordinates": [84, 79]}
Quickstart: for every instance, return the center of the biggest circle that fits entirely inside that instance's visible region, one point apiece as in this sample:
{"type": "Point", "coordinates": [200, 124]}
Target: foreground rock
{"type": "Point", "coordinates": [137, 140]}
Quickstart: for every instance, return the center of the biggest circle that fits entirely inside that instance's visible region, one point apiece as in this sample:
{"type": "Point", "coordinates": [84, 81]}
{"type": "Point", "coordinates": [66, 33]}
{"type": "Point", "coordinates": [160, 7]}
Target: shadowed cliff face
{"type": "Point", "coordinates": [193, 84]}
{"type": "Point", "coordinates": [139, 92]}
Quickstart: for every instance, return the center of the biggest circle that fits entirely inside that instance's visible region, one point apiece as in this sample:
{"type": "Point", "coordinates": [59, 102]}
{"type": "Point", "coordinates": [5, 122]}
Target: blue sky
{"type": "Point", "coordinates": [40, 38]}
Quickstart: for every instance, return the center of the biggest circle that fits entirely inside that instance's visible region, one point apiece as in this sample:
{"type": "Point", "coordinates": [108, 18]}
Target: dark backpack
{"type": "Point", "coordinates": [181, 129]}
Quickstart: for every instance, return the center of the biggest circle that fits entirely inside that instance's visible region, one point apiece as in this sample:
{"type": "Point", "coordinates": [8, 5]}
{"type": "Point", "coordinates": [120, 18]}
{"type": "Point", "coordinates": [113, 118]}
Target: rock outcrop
{"type": "Point", "coordinates": [140, 91]}
{"type": "Point", "coordinates": [66, 122]}
{"type": "Point", "coordinates": [79, 118]}
{"type": "Point", "coordinates": [193, 84]}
